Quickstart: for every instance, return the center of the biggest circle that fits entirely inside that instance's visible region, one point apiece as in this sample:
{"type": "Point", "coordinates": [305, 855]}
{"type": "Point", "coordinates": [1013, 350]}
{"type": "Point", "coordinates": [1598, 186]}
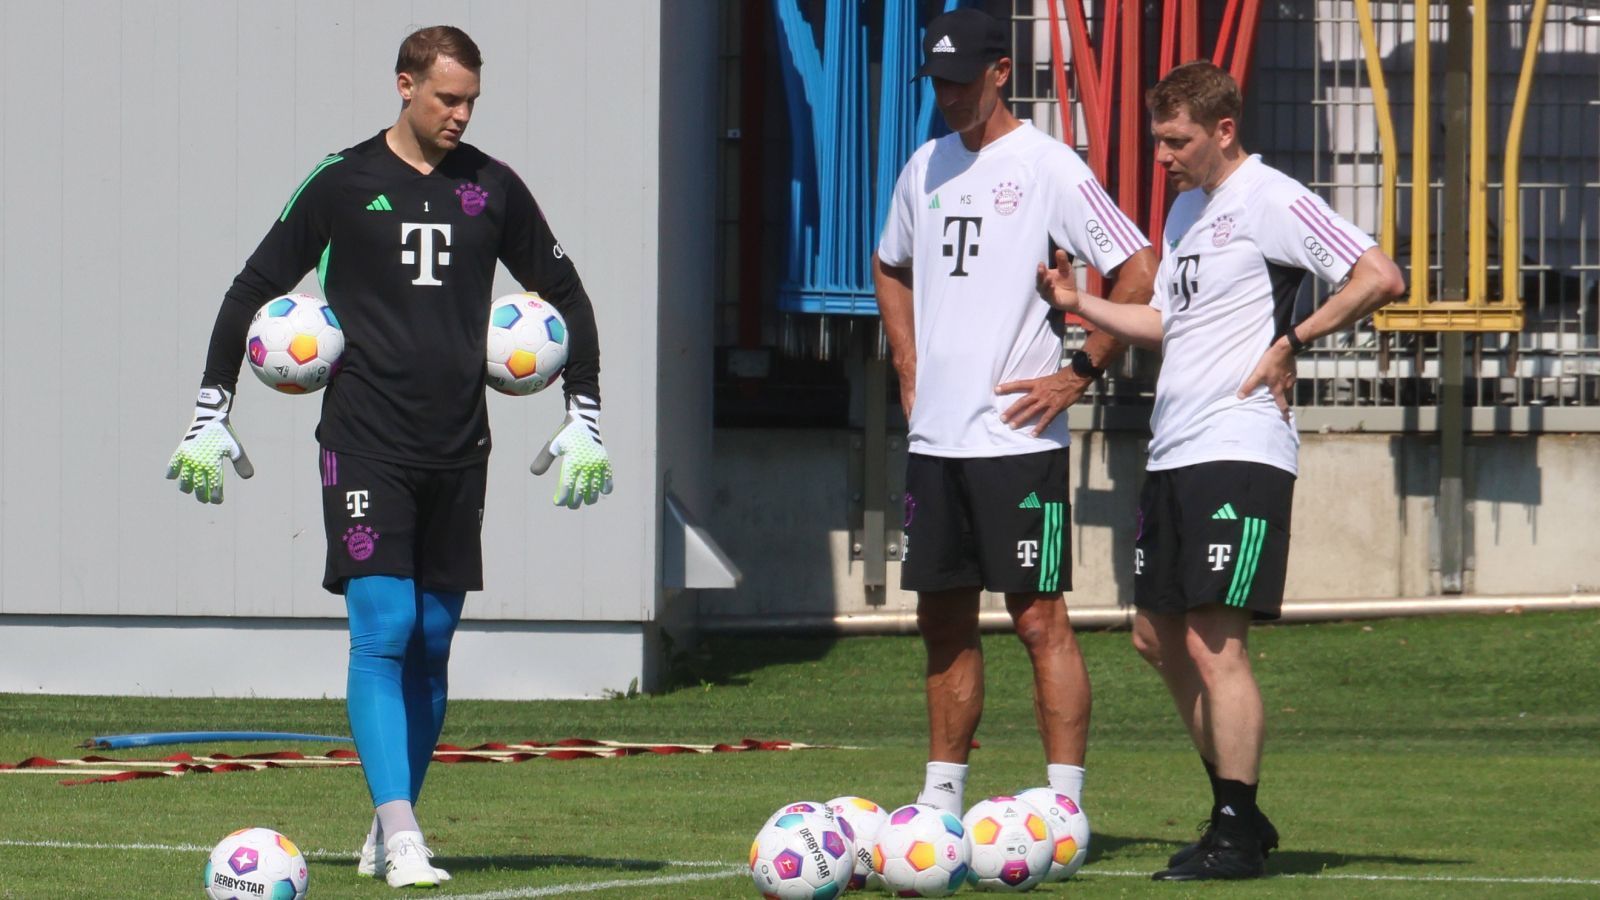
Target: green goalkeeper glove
{"type": "Point", "coordinates": [197, 463]}
{"type": "Point", "coordinates": [585, 465]}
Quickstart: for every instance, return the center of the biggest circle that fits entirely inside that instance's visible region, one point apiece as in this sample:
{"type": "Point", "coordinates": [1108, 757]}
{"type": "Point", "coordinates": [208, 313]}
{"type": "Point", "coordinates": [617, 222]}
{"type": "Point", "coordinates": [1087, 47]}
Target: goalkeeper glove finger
{"type": "Point", "coordinates": [585, 465]}
{"type": "Point", "coordinates": [197, 463]}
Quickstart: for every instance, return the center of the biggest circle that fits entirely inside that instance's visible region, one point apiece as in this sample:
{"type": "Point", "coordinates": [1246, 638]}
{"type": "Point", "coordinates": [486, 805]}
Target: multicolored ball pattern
{"type": "Point", "coordinates": [527, 344]}
{"type": "Point", "coordinates": [294, 344]}
{"type": "Point", "coordinates": [921, 852]}
{"type": "Point", "coordinates": [1069, 827]}
{"type": "Point", "coordinates": [801, 856]}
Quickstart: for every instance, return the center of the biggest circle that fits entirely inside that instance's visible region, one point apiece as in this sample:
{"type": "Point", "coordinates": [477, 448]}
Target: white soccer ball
{"type": "Point", "coordinates": [921, 852]}
{"type": "Point", "coordinates": [815, 807]}
{"type": "Point", "coordinates": [294, 343]}
{"type": "Point", "coordinates": [527, 345]}
{"type": "Point", "coordinates": [801, 856]}
{"type": "Point", "coordinates": [863, 819]}
{"type": "Point", "coordinates": [256, 864]}
{"type": "Point", "coordinates": [1010, 843]}
{"type": "Point", "coordinates": [1069, 826]}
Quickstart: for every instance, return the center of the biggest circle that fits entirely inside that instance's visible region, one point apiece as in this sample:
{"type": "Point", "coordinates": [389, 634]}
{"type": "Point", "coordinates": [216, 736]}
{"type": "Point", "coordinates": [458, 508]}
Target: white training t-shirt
{"type": "Point", "coordinates": [1226, 290]}
{"type": "Point", "coordinates": [974, 227]}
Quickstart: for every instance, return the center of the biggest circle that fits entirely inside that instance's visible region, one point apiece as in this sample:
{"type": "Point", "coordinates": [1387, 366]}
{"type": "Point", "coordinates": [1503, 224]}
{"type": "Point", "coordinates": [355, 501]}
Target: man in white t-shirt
{"type": "Point", "coordinates": [981, 382]}
{"type": "Point", "coordinates": [1213, 527]}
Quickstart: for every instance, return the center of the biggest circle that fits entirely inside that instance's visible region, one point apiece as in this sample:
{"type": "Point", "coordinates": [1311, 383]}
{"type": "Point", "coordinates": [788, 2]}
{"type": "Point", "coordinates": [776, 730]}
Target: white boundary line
{"type": "Point", "coordinates": [727, 870]}
{"type": "Point", "coordinates": [319, 853]}
{"type": "Point", "coordinates": [1354, 876]}
{"type": "Point", "coordinates": [588, 887]}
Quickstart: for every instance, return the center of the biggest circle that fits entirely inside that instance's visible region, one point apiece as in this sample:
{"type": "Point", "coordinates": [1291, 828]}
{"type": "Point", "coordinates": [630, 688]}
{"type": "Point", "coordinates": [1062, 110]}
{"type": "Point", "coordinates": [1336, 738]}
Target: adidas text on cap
{"type": "Point", "coordinates": [959, 45]}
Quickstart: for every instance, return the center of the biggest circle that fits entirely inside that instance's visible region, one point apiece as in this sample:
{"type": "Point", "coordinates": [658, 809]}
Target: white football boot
{"type": "Point", "coordinates": [406, 862]}
{"type": "Point", "coordinates": [371, 863]}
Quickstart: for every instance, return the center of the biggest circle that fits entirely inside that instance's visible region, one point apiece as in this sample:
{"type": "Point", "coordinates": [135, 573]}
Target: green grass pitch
{"type": "Point", "coordinates": [1423, 757]}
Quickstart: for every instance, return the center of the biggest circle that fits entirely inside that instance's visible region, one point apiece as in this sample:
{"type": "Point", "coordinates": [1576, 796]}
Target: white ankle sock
{"type": "Point", "coordinates": [943, 786]}
{"type": "Point", "coordinates": [397, 816]}
{"type": "Point", "coordinates": [1065, 779]}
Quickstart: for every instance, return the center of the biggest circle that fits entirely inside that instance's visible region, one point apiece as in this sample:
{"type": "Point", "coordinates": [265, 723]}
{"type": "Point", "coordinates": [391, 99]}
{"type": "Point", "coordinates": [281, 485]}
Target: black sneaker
{"type": "Point", "coordinates": [1223, 859]}
{"type": "Point", "coordinates": [1266, 834]}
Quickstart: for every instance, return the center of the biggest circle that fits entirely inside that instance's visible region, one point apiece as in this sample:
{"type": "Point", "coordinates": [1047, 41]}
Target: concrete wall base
{"type": "Point", "coordinates": [211, 657]}
{"type": "Point", "coordinates": [1299, 611]}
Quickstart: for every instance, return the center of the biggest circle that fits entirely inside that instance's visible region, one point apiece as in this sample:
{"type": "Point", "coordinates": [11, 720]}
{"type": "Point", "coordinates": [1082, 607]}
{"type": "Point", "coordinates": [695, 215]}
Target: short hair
{"type": "Point", "coordinates": [1208, 91]}
{"type": "Point", "coordinates": [423, 47]}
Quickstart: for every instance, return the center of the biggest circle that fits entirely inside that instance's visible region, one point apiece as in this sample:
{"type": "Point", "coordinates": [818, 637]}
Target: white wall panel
{"type": "Point", "coordinates": [31, 518]}
{"type": "Point", "coordinates": [95, 360]}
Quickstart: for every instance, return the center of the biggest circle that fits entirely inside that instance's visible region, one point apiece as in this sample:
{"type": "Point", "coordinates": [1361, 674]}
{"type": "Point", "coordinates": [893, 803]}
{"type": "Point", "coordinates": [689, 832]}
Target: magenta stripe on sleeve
{"type": "Point", "coordinates": [1102, 205]}
{"type": "Point", "coordinates": [1339, 243]}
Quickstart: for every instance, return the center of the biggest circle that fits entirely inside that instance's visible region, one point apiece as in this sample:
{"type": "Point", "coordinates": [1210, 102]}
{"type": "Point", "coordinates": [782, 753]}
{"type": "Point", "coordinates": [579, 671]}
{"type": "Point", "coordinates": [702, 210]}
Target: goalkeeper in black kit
{"type": "Point", "coordinates": [404, 230]}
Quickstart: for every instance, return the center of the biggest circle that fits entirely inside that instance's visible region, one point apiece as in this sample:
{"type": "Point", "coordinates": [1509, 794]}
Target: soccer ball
{"type": "Point", "coordinates": [527, 344]}
{"type": "Point", "coordinates": [921, 852]}
{"type": "Point", "coordinates": [294, 343]}
{"type": "Point", "coordinates": [256, 864]}
{"type": "Point", "coordinates": [1010, 842]}
{"type": "Point", "coordinates": [863, 818]}
{"type": "Point", "coordinates": [801, 856]}
{"type": "Point", "coordinates": [1068, 824]}
{"type": "Point", "coordinates": [801, 806]}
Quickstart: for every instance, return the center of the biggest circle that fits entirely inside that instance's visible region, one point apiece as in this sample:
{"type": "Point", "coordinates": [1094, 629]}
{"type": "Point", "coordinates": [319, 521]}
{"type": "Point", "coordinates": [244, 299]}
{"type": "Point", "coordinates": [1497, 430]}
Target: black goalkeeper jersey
{"type": "Point", "coordinates": [407, 263]}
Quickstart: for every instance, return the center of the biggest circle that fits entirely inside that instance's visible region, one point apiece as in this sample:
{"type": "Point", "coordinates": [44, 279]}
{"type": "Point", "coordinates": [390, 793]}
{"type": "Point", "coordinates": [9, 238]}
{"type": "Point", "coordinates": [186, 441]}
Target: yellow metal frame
{"type": "Point", "coordinates": [1476, 313]}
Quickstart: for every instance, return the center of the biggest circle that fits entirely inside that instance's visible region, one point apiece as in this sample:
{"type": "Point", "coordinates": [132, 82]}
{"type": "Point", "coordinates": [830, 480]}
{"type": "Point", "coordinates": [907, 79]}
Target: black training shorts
{"type": "Point", "coordinates": [1216, 532]}
{"type": "Point", "coordinates": [997, 523]}
{"type": "Point", "coordinates": [383, 518]}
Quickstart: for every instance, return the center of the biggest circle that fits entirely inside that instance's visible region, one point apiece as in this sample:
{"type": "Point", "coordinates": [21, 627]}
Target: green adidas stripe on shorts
{"type": "Point", "coordinates": [1051, 539]}
{"type": "Point", "coordinates": [1244, 568]}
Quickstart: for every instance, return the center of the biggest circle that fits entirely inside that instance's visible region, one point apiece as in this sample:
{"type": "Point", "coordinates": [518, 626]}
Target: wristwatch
{"type": "Point", "coordinates": [1296, 346]}
{"type": "Point", "coordinates": [1083, 366]}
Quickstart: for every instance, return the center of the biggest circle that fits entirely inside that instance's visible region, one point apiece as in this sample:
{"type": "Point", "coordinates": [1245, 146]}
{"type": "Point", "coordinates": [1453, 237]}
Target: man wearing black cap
{"type": "Point", "coordinates": [981, 382]}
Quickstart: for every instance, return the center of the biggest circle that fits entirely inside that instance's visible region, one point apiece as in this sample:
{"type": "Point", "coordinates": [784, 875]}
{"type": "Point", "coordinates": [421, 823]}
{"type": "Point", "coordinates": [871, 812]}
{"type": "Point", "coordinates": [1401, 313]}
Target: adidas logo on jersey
{"type": "Point", "coordinates": [935, 203]}
{"type": "Point", "coordinates": [1226, 512]}
{"type": "Point", "coordinates": [380, 204]}
{"type": "Point", "coordinates": [944, 46]}
{"type": "Point", "coordinates": [1030, 502]}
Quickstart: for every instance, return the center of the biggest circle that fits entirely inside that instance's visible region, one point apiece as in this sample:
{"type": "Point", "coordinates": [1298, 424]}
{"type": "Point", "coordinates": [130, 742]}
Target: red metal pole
{"type": "Point", "coordinates": [1108, 67]}
{"type": "Point", "coordinates": [1243, 48]}
{"type": "Point", "coordinates": [1173, 23]}
{"type": "Point", "coordinates": [1220, 52]}
{"type": "Point", "coordinates": [1060, 68]}
{"type": "Point", "coordinates": [1096, 113]}
{"type": "Point", "coordinates": [1088, 84]}
{"type": "Point", "coordinates": [1130, 142]}
{"type": "Point", "coordinates": [1188, 31]}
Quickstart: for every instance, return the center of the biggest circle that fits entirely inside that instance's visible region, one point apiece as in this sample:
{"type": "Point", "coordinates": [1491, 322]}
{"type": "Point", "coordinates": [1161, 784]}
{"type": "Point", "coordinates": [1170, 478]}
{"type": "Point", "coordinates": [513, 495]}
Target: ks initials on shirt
{"type": "Point", "coordinates": [429, 256]}
{"type": "Point", "coordinates": [961, 249]}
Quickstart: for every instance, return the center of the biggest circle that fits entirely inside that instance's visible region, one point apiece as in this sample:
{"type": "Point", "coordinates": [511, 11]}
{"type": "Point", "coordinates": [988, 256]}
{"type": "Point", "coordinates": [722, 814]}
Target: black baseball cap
{"type": "Point", "coordinates": [960, 44]}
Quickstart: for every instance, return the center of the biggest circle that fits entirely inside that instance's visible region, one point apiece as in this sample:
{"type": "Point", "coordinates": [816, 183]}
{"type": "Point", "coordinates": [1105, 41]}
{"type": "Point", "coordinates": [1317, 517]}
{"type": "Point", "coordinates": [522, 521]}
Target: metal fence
{"type": "Point", "coordinates": [1309, 111]}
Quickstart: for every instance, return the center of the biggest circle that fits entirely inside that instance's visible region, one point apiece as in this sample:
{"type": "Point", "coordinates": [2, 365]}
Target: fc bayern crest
{"type": "Point", "coordinates": [1221, 230]}
{"type": "Point", "coordinates": [360, 542]}
{"type": "Point", "coordinates": [1007, 197]}
{"type": "Point", "coordinates": [473, 198]}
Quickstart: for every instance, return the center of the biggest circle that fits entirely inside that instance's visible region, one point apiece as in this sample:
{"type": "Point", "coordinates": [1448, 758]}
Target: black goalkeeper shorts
{"type": "Point", "coordinates": [383, 518]}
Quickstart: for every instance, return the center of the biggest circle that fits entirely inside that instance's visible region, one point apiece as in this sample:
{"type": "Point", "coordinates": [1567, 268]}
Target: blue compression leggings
{"type": "Point", "coordinates": [396, 695]}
